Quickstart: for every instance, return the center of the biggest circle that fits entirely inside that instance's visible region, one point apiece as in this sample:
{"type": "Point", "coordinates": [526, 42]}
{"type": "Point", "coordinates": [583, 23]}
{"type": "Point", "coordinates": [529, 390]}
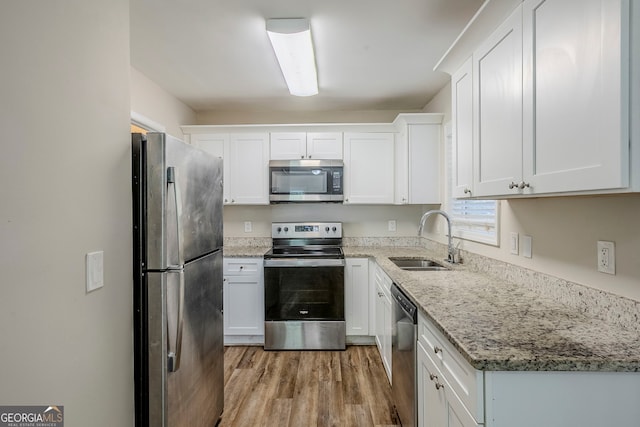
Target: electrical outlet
{"type": "Point", "coordinates": [248, 227]}
{"type": "Point", "coordinates": [606, 257]}
{"type": "Point", "coordinates": [514, 243]}
{"type": "Point", "coordinates": [392, 225]}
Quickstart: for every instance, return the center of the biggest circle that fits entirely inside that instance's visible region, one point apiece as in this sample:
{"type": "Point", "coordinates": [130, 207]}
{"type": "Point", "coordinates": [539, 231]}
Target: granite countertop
{"type": "Point", "coordinates": [500, 326]}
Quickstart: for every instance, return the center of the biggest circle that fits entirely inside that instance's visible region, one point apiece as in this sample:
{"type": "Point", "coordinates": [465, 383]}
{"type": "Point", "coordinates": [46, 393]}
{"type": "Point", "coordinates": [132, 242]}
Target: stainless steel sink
{"type": "Point", "coordinates": [417, 264]}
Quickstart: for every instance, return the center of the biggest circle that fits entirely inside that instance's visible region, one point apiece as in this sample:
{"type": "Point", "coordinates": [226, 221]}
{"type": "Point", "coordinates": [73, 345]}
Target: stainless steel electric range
{"type": "Point", "coordinates": [304, 287]}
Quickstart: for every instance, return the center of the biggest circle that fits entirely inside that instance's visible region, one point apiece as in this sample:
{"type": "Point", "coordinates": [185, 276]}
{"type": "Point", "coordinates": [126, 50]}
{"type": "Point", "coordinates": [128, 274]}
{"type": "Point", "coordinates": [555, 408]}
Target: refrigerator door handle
{"type": "Point", "coordinates": [173, 362]}
{"type": "Point", "coordinates": [172, 179]}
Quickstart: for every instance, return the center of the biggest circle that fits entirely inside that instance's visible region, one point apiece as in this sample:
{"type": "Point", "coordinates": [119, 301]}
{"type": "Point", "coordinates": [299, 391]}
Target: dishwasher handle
{"type": "Point", "coordinates": [404, 303]}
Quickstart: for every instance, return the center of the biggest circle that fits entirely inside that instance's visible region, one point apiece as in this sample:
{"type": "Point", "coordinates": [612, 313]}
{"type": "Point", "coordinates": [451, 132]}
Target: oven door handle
{"type": "Point", "coordinates": [298, 262]}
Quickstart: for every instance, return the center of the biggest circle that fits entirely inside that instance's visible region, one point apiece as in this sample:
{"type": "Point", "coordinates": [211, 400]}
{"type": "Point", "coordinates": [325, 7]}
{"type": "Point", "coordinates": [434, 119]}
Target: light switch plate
{"type": "Point", "coordinates": [248, 227]}
{"type": "Point", "coordinates": [514, 243]}
{"type": "Point", "coordinates": [94, 267]}
{"type": "Point", "coordinates": [392, 225]}
{"type": "Point", "coordinates": [527, 242]}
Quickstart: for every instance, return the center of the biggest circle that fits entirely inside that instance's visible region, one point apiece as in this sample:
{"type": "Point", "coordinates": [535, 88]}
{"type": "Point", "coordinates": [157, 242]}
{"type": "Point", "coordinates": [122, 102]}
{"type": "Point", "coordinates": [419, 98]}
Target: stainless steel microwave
{"type": "Point", "coordinates": [305, 181]}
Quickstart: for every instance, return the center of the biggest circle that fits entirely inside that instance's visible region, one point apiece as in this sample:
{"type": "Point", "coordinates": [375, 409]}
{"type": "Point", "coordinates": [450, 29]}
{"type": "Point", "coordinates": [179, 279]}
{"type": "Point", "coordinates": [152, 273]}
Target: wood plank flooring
{"type": "Point", "coordinates": [306, 388]}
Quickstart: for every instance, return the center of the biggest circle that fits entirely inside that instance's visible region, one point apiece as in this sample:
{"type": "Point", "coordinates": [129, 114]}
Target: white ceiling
{"type": "Point", "coordinates": [371, 54]}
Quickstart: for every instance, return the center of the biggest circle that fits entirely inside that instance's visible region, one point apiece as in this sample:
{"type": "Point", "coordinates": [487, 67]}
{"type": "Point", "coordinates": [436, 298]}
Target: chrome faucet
{"type": "Point", "coordinates": [451, 250]}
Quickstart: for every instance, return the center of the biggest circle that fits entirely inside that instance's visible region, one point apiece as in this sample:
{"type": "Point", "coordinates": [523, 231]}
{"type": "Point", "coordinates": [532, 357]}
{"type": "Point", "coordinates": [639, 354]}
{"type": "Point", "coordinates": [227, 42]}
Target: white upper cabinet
{"type": "Point", "coordinates": [369, 168]}
{"type": "Point", "coordinates": [324, 145]}
{"type": "Point", "coordinates": [417, 152]}
{"type": "Point", "coordinates": [462, 131]}
{"type": "Point", "coordinates": [497, 142]}
{"type": "Point", "coordinates": [576, 97]}
{"type": "Point", "coordinates": [556, 90]}
{"type": "Point", "coordinates": [247, 156]}
{"type": "Point", "coordinates": [303, 145]}
{"type": "Point", "coordinates": [215, 143]}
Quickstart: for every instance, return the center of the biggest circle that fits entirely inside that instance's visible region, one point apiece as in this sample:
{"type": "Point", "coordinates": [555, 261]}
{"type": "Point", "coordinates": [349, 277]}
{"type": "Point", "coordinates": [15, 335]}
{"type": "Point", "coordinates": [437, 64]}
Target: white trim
{"type": "Point", "coordinates": [146, 123]}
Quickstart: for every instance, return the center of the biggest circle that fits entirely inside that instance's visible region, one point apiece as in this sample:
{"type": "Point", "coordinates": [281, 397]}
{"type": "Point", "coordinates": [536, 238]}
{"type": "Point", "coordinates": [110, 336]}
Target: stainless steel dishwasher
{"type": "Point", "coordinates": [403, 357]}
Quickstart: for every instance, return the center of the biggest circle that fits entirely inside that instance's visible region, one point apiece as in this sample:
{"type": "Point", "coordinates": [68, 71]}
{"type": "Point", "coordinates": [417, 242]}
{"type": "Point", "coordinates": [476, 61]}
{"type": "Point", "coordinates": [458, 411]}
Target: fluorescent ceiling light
{"type": "Point", "coordinates": [291, 41]}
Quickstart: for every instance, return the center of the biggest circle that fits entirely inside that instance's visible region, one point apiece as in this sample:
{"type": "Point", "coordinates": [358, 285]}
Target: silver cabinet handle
{"type": "Point", "coordinates": [523, 185]}
{"type": "Point", "coordinates": [512, 185]}
{"type": "Point", "coordinates": [439, 385]}
{"type": "Point", "coordinates": [467, 191]}
{"type": "Point", "coordinates": [380, 294]}
{"type": "Point", "coordinates": [437, 350]}
{"type": "Point", "coordinates": [173, 362]}
{"type": "Point", "coordinates": [433, 377]}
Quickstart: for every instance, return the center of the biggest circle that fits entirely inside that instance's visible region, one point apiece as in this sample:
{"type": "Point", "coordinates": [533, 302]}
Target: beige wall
{"type": "Point", "coordinates": [441, 103]}
{"type": "Point", "coordinates": [565, 232]}
{"type": "Point", "coordinates": [358, 221]}
{"type": "Point", "coordinates": [65, 173]}
{"type": "Point", "coordinates": [156, 104]}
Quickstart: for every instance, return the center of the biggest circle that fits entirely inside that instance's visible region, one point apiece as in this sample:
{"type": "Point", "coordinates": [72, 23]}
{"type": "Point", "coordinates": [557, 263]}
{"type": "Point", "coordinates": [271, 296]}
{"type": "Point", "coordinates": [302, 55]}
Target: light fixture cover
{"type": "Point", "coordinates": [291, 41]}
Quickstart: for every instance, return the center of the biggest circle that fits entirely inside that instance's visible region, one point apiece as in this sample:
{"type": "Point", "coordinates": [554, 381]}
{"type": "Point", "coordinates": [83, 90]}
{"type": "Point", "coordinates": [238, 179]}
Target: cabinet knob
{"type": "Point", "coordinates": [302, 157]}
{"type": "Point", "coordinates": [439, 386]}
{"type": "Point", "coordinates": [512, 185]}
{"type": "Point", "coordinates": [437, 350]}
{"type": "Point", "coordinates": [467, 191]}
{"type": "Point", "coordinates": [523, 185]}
{"type": "Point", "coordinates": [380, 294]}
{"type": "Point", "coordinates": [433, 377]}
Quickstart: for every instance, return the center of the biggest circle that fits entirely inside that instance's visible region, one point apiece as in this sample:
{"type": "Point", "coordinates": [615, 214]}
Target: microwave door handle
{"type": "Point", "coordinates": [172, 179]}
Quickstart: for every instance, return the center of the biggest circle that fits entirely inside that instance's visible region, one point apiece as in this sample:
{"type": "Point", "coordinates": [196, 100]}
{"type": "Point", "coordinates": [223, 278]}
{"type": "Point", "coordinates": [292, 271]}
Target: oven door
{"type": "Point", "coordinates": [304, 304]}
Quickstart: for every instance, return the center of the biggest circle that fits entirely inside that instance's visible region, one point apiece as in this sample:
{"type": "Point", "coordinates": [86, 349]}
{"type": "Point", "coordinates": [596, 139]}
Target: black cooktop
{"type": "Point", "coordinates": [305, 252]}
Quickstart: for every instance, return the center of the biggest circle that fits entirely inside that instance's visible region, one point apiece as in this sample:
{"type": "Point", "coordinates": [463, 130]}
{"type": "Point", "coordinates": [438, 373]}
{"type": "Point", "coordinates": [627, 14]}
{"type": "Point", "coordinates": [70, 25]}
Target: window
{"type": "Point", "coordinates": [475, 220]}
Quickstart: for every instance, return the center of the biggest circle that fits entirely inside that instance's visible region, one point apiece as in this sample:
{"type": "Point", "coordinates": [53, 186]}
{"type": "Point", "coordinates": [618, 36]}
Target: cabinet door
{"type": "Point", "coordinates": [356, 296]}
{"type": "Point", "coordinates": [497, 75]}
{"type": "Point", "coordinates": [248, 169]}
{"type": "Point", "coordinates": [432, 405]}
{"type": "Point", "coordinates": [243, 305]}
{"type": "Point", "coordinates": [324, 145]}
{"type": "Point", "coordinates": [462, 131]}
{"type": "Point", "coordinates": [424, 164]}
{"type": "Point", "coordinates": [369, 168]}
{"type": "Point", "coordinates": [215, 143]}
{"type": "Point", "coordinates": [288, 145]}
{"type": "Point", "coordinates": [576, 94]}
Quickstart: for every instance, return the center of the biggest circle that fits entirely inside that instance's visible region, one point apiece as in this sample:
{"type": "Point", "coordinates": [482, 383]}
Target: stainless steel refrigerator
{"type": "Point", "coordinates": [177, 204]}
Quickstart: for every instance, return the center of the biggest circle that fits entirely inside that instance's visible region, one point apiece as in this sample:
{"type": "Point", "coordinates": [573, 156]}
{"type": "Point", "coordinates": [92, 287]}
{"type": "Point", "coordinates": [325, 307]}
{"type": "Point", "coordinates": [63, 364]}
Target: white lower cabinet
{"type": "Point", "coordinates": [438, 405]}
{"type": "Point", "coordinates": [384, 321]}
{"type": "Point", "coordinates": [450, 391]}
{"type": "Point", "coordinates": [243, 299]}
{"type": "Point", "coordinates": [356, 296]}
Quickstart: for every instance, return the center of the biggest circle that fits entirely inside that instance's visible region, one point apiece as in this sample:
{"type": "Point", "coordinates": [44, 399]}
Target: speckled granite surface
{"type": "Point", "coordinates": [498, 325]}
{"type": "Point", "coordinates": [502, 317]}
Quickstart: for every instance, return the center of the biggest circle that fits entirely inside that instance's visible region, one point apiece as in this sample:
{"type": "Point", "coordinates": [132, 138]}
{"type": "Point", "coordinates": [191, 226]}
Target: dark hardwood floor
{"type": "Point", "coordinates": [306, 388]}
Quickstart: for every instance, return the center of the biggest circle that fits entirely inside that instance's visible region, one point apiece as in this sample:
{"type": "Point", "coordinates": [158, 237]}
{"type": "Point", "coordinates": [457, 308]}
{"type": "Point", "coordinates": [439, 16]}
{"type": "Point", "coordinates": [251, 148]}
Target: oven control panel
{"type": "Point", "coordinates": [303, 230]}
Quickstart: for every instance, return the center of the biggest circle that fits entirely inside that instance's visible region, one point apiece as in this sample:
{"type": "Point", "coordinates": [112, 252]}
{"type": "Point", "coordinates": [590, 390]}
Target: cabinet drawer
{"type": "Point", "coordinates": [384, 280]}
{"type": "Point", "coordinates": [235, 266]}
{"type": "Point", "coordinates": [466, 382]}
